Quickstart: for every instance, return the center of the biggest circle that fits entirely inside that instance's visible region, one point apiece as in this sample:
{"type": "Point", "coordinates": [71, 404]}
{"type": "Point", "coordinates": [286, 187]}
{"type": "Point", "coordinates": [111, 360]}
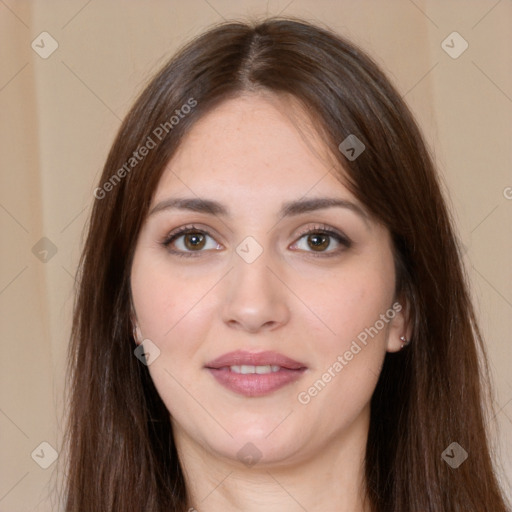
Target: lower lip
{"type": "Point", "coordinates": [254, 384]}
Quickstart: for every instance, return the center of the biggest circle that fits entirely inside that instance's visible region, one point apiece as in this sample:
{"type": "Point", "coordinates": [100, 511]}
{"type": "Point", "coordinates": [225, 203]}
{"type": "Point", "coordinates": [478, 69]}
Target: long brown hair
{"type": "Point", "coordinates": [121, 451]}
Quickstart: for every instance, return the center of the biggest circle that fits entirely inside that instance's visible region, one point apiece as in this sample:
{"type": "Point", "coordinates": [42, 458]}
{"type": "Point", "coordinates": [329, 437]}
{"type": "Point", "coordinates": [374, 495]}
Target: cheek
{"type": "Point", "coordinates": [351, 301]}
{"type": "Point", "coordinates": [172, 315]}
{"type": "Point", "coordinates": [165, 301]}
{"type": "Point", "coordinates": [350, 344]}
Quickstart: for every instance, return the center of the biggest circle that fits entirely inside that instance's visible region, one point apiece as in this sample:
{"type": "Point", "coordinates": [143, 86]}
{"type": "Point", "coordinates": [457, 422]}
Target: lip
{"type": "Point", "coordinates": [242, 357]}
{"type": "Point", "coordinates": [255, 384]}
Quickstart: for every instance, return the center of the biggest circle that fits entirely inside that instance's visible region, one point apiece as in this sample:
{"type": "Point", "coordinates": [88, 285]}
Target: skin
{"type": "Point", "coordinates": [252, 154]}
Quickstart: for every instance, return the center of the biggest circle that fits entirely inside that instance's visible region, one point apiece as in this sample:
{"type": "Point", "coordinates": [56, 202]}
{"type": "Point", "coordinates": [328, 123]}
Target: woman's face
{"type": "Point", "coordinates": [273, 314]}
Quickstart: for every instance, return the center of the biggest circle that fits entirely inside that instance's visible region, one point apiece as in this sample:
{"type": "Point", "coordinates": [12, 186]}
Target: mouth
{"type": "Point", "coordinates": [255, 374]}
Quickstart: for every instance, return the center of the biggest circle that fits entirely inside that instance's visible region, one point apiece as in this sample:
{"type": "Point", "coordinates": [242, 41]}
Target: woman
{"type": "Point", "coordinates": [272, 312]}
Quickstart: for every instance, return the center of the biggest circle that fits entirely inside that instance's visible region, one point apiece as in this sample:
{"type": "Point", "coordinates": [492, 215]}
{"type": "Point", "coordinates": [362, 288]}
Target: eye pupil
{"type": "Point", "coordinates": [194, 240]}
{"type": "Point", "coordinates": [319, 241]}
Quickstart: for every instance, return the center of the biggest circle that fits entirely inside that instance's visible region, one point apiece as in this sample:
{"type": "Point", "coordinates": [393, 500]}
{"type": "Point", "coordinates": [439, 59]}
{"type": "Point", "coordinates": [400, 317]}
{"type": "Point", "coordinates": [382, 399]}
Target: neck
{"type": "Point", "coordinates": [332, 478]}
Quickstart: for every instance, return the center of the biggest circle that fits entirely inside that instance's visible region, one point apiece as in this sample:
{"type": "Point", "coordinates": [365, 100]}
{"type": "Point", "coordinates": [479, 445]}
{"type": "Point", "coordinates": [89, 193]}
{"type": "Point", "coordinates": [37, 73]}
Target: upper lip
{"type": "Point", "coordinates": [242, 357]}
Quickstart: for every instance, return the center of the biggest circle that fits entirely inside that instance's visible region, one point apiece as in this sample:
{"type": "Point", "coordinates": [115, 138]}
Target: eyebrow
{"type": "Point", "coordinates": [288, 209]}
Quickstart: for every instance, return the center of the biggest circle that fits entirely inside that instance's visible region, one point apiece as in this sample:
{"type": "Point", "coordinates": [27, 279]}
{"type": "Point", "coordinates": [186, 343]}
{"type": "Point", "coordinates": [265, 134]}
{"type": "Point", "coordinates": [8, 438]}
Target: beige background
{"type": "Point", "coordinates": [59, 116]}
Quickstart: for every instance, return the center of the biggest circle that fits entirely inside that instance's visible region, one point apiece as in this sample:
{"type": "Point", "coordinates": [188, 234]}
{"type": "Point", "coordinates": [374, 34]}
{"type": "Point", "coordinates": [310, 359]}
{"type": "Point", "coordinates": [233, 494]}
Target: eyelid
{"type": "Point", "coordinates": [184, 230]}
{"type": "Point", "coordinates": [325, 228]}
{"type": "Point", "coordinates": [339, 236]}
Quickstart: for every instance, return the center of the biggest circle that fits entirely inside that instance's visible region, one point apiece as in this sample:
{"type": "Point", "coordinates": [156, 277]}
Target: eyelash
{"type": "Point", "coordinates": [318, 229]}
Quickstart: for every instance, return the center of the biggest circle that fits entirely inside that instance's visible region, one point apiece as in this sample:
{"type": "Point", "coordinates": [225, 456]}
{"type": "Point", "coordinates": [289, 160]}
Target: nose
{"type": "Point", "coordinates": [255, 299]}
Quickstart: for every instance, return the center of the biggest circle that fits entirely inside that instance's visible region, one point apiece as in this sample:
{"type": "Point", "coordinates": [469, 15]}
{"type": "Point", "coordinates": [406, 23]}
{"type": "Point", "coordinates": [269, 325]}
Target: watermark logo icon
{"type": "Point", "coordinates": [44, 45]}
{"type": "Point", "coordinates": [44, 250]}
{"type": "Point", "coordinates": [351, 147]}
{"type": "Point", "coordinates": [249, 249]}
{"type": "Point", "coordinates": [454, 455]}
{"type": "Point", "coordinates": [147, 352]}
{"type": "Point", "coordinates": [249, 454]}
{"type": "Point", "coordinates": [454, 45]}
{"type": "Point", "coordinates": [44, 455]}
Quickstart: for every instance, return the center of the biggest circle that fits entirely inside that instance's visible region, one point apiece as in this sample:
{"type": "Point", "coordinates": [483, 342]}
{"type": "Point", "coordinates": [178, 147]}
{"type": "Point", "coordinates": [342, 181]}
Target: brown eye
{"type": "Point", "coordinates": [190, 241]}
{"type": "Point", "coordinates": [322, 241]}
{"type": "Point", "coordinates": [194, 240]}
{"type": "Point", "coordinates": [318, 241]}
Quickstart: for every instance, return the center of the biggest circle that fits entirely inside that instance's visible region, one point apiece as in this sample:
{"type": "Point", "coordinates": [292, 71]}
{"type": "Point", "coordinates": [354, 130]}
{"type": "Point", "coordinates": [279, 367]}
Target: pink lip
{"type": "Point", "coordinates": [240, 357]}
{"type": "Point", "coordinates": [255, 384]}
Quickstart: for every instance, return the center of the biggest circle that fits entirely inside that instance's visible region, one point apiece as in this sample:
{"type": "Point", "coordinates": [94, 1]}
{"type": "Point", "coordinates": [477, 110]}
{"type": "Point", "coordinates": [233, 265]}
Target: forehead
{"type": "Point", "coordinates": [255, 143]}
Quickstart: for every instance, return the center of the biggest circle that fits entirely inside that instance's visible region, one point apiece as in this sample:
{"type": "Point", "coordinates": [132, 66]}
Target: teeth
{"type": "Point", "coordinates": [247, 369]}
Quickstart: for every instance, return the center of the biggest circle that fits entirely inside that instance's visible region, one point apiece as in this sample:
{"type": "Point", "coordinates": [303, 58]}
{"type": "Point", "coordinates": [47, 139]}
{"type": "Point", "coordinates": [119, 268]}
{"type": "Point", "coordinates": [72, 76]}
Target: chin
{"type": "Point", "coordinates": [259, 443]}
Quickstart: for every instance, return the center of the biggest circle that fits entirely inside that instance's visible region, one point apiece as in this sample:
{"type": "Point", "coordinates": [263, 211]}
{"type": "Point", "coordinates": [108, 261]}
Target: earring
{"type": "Point", "coordinates": [404, 341]}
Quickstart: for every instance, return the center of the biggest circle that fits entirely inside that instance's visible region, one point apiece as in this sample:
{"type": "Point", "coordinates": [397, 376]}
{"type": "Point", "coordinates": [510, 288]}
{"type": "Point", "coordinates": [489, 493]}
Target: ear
{"type": "Point", "coordinates": [137, 334]}
{"type": "Point", "coordinates": [400, 325]}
